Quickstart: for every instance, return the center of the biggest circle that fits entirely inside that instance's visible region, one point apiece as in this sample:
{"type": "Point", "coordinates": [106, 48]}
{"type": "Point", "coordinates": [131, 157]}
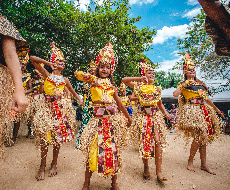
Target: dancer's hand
{"type": "Point", "coordinates": [94, 84]}
{"type": "Point", "coordinates": [53, 66]}
{"type": "Point", "coordinates": [20, 102]}
{"type": "Point", "coordinates": [129, 122]}
{"type": "Point", "coordinates": [81, 103]}
{"type": "Point", "coordinates": [192, 82]}
{"type": "Point", "coordinates": [167, 115]}
{"type": "Point", "coordinates": [144, 79]}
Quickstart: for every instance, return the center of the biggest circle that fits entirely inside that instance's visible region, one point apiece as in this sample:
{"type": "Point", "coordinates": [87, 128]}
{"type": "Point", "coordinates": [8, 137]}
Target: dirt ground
{"type": "Point", "coordinates": [23, 160]}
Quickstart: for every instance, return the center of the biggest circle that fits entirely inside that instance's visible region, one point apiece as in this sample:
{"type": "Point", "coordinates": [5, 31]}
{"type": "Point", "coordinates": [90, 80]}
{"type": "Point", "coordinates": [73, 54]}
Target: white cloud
{"type": "Point", "coordinates": [167, 65]}
{"type": "Point", "coordinates": [175, 53]}
{"type": "Point", "coordinates": [192, 13]}
{"type": "Point", "coordinates": [192, 2]}
{"type": "Point", "coordinates": [140, 2]}
{"type": "Point", "coordinates": [170, 32]}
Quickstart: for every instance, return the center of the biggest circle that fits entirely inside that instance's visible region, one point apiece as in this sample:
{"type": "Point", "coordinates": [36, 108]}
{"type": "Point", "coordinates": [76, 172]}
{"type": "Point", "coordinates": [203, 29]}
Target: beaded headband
{"type": "Point", "coordinates": [122, 86]}
{"type": "Point", "coordinates": [143, 68]}
{"type": "Point", "coordinates": [107, 56]}
{"type": "Point", "coordinates": [22, 58]}
{"type": "Point", "coordinates": [55, 54]}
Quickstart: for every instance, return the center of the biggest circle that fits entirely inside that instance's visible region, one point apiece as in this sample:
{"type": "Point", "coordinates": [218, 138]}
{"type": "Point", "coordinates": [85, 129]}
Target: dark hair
{"type": "Point", "coordinates": [110, 75]}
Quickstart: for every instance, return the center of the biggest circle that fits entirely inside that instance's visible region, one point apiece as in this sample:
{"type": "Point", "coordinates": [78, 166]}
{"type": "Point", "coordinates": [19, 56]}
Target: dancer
{"type": "Point", "coordinates": [105, 134]}
{"type": "Point", "coordinates": [87, 108]}
{"type": "Point", "coordinates": [147, 119]}
{"type": "Point", "coordinates": [10, 75]}
{"type": "Point", "coordinates": [173, 119]}
{"type": "Point", "coordinates": [52, 123]}
{"type": "Point", "coordinates": [197, 118]}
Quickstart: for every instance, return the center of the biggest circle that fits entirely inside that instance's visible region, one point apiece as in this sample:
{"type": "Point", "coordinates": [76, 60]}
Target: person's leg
{"type": "Point", "coordinates": [15, 131]}
{"type": "Point", "coordinates": [114, 183]}
{"type": "Point", "coordinates": [88, 174]}
{"type": "Point", "coordinates": [158, 155]}
{"type": "Point", "coordinates": [41, 173]}
{"type": "Point", "coordinates": [194, 147]}
{"type": "Point", "coordinates": [204, 166]}
{"type": "Point", "coordinates": [146, 173]}
{"type": "Point", "coordinates": [53, 170]}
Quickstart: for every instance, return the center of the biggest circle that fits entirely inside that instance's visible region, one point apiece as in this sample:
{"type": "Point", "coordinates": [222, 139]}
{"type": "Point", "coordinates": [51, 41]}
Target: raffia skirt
{"type": "Point", "coordinates": [53, 122]}
{"type": "Point", "coordinates": [103, 139]}
{"type": "Point", "coordinates": [6, 92]}
{"type": "Point", "coordinates": [146, 119]}
{"type": "Point", "coordinates": [199, 122]}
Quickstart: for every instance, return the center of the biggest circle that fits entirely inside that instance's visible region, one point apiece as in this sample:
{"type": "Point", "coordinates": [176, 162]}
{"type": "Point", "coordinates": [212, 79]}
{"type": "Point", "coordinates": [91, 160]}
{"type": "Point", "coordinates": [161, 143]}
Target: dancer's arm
{"type": "Point", "coordinates": [36, 62]}
{"type": "Point", "coordinates": [133, 97]}
{"type": "Point", "coordinates": [129, 80]}
{"type": "Point", "coordinates": [162, 108]}
{"type": "Point", "coordinates": [122, 108]}
{"type": "Point", "coordinates": [11, 58]}
{"type": "Point", "coordinates": [209, 101]}
{"type": "Point", "coordinates": [70, 88]}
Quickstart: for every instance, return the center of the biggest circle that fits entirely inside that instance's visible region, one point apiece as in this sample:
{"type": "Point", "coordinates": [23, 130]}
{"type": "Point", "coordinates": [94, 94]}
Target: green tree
{"type": "Point", "coordinates": [200, 46]}
{"type": "Point", "coordinates": [167, 79]}
{"type": "Point", "coordinates": [81, 34]}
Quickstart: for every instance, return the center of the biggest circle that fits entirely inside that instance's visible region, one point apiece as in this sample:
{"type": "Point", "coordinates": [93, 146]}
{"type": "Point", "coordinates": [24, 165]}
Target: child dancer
{"type": "Point", "coordinates": [197, 118]}
{"type": "Point", "coordinates": [105, 134]}
{"type": "Point", "coordinates": [87, 108]}
{"type": "Point", "coordinates": [51, 121]}
{"type": "Point", "coordinates": [147, 120]}
{"type": "Point", "coordinates": [10, 74]}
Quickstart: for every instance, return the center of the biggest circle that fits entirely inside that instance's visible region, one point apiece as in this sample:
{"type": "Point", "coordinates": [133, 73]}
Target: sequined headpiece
{"type": "Point", "coordinates": [122, 86]}
{"type": "Point", "coordinates": [55, 54]}
{"type": "Point", "coordinates": [107, 56]}
{"type": "Point", "coordinates": [91, 66]}
{"type": "Point", "coordinates": [188, 63]}
{"type": "Point", "coordinates": [143, 68]}
{"type": "Point", "coordinates": [22, 58]}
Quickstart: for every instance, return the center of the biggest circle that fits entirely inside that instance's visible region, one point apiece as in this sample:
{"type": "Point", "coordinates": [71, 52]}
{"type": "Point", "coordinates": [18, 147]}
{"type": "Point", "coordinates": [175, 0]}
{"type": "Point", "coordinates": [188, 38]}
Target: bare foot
{"type": "Point", "coordinates": [114, 186]}
{"type": "Point", "coordinates": [205, 168]}
{"type": "Point", "coordinates": [53, 171]}
{"type": "Point", "coordinates": [146, 174]}
{"type": "Point", "coordinates": [40, 175]}
{"type": "Point", "coordinates": [161, 178]}
{"type": "Point", "coordinates": [85, 186]}
{"type": "Point", "coordinates": [190, 167]}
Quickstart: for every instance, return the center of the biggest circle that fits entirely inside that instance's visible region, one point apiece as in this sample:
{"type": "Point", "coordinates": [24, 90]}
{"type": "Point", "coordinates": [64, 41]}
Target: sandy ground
{"type": "Point", "coordinates": [23, 160]}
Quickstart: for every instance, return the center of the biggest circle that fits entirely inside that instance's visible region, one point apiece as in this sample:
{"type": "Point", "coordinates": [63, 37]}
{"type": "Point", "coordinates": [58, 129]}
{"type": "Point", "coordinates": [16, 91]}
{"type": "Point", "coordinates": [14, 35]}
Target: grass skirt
{"type": "Point", "coordinates": [106, 135]}
{"type": "Point", "coordinates": [51, 122]}
{"type": "Point", "coordinates": [143, 128]}
{"type": "Point", "coordinates": [199, 122]}
{"type": "Point", "coordinates": [6, 92]}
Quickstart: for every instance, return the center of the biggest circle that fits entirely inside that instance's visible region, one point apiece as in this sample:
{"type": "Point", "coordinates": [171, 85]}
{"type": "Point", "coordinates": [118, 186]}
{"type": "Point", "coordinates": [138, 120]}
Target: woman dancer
{"type": "Point", "coordinates": [197, 118]}
{"type": "Point", "coordinates": [147, 119]}
{"type": "Point", "coordinates": [10, 75]}
{"type": "Point", "coordinates": [51, 121]}
{"type": "Point", "coordinates": [105, 134]}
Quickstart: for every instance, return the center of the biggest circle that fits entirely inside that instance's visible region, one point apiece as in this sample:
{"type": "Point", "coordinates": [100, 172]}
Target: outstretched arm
{"type": "Point", "coordinates": [70, 88]}
{"type": "Point", "coordinates": [36, 62]}
{"type": "Point", "coordinates": [11, 58]}
{"type": "Point", "coordinates": [129, 80]}
{"type": "Point", "coordinates": [162, 108]}
{"type": "Point", "coordinates": [122, 108]}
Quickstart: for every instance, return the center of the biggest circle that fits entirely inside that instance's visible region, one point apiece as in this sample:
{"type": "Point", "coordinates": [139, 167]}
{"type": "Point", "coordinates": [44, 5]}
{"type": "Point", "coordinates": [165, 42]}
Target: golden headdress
{"type": "Point", "coordinates": [92, 65]}
{"type": "Point", "coordinates": [55, 54]}
{"type": "Point", "coordinates": [107, 56]}
{"type": "Point", "coordinates": [143, 68]}
{"type": "Point", "coordinates": [188, 63]}
{"type": "Point", "coordinates": [22, 58]}
{"type": "Point", "coordinates": [122, 86]}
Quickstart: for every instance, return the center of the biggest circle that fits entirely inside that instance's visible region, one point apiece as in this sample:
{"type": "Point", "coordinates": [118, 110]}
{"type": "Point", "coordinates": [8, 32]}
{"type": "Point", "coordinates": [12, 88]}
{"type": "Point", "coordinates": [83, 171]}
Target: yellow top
{"type": "Point", "coordinates": [148, 95]}
{"type": "Point", "coordinates": [104, 92]}
{"type": "Point", "coordinates": [25, 79]}
{"type": "Point", "coordinates": [54, 85]}
{"type": "Point", "coordinates": [191, 94]}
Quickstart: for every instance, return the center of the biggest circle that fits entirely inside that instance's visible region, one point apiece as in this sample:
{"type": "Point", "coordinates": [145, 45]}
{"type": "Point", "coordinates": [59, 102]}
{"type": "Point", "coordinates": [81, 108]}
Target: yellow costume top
{"type": "Point", "coordinates": [104, 92]}
{"type": "Point", "coordinates": [36, 85]}
{"type": "Point", "coordinates": [125, 100]}
{"type": "Point", "coordinates": [25, 79]}
{"type": "Point", "coordinates": [54, 85]}
{"type": "Point", "coordinates": [194, 91]}
{"type": "Point", "coordinates": [148, 95]}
